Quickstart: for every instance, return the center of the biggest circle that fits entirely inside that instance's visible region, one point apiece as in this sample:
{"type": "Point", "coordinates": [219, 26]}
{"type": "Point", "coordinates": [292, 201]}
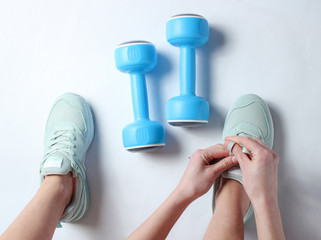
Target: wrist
{"type": "Point", "coordinates": [183, 196]}
{"type": "Point", "coordinates": [268, 219]}
{"type": "Point", "coordinates": [265, 203]}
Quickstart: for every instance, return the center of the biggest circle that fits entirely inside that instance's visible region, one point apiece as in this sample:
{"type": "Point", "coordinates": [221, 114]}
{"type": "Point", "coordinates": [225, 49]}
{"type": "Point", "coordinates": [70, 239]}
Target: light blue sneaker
{"type": "Point", "coordinates": [251, 117]}
{"type": "Point", "coordinates": [69, 132]}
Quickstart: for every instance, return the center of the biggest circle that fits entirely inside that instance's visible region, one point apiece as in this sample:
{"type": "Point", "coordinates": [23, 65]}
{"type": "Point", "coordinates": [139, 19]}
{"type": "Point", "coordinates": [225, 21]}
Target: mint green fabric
{"type": "Point", "coordinates": [251, 117]}
{"type": "Point", "coordinates": [69, 133]}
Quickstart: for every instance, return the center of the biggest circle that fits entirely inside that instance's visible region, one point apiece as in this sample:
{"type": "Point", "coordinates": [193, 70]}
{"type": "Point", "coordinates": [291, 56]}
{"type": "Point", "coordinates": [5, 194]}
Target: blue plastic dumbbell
{"type": "Point", "coordinates": [187, 31]}
{"type": "Point", "coordinates": [137, 58]}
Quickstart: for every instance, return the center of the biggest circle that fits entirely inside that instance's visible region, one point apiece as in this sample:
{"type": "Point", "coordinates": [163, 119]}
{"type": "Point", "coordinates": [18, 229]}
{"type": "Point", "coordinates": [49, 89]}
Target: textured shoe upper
{"type": "Point", "coordinates": [250, 116]}
{"type": "Point", "coordinates": [65, 145]}
{"type": "Point", "coordinates": [69, 132]}
{"type": "Point", "coordinates": [67, 135]}
{"type": "Point", "coordinates": [68, 108]}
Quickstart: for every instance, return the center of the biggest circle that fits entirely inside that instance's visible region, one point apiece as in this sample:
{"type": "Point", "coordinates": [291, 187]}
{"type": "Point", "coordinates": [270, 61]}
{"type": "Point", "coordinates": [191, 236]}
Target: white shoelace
{"type": "Point", "coordinates": [63, 141]}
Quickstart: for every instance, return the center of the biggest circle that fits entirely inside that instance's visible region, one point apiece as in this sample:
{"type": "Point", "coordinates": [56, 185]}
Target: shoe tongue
{"type": "Point", "coordinates": [56, 163]}
{"type": "Point", "coordinates": [233, 173]}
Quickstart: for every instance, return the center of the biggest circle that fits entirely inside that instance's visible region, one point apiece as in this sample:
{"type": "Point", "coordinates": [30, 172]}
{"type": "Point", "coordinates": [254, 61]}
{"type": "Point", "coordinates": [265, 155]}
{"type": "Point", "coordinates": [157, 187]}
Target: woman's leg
{"type": "Point", "coordinates": [69, 132]}
{"type": "Point", "coordinates": [39, 218]}
{"type": "Point", "coordinates": [232, 203]}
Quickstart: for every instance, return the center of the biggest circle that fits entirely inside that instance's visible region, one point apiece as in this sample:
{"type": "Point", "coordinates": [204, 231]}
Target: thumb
{"type": "Point", "coordinates": [222, 165]}
{"type": "Point", "coordinates": [241, 157]}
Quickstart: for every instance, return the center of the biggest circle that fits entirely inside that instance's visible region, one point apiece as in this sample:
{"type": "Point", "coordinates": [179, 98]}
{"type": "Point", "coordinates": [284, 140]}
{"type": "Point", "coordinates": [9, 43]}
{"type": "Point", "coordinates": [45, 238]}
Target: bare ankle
{"type": "Point", "coordinates": [62, 185]}
{"type": "Point", "coordinates": [234, 191]}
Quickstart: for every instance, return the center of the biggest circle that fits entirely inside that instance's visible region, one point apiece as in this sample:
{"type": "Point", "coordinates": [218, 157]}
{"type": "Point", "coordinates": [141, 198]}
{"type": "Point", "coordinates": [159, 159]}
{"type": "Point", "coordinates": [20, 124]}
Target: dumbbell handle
{"type": "Point", "coordinates": [187, 70]}
{"type": "Point", "coordinates": [139, 96]}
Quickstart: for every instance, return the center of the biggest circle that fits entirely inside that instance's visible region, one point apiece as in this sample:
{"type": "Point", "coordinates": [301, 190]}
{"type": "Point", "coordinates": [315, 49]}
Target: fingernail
{"type": "Point", "coordinates": [234, 160]}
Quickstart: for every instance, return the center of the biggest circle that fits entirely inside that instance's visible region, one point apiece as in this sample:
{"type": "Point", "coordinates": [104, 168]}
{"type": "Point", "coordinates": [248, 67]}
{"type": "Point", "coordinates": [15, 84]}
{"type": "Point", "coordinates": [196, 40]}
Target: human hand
{"type": "Point", "coordinates": [259, 170]}
{"type": "Point", "coordinates": [204, 167]}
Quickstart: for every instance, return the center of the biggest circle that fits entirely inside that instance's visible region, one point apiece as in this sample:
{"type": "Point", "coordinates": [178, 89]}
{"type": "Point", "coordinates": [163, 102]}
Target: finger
{"type": "Point", "coordinates": [242, 158]}
{"type": "Point", "coordinates": [226, 143]}
{"type": "Point", "coordinates": [216, 147]}
{"type": "Point", "coordinates": [207, 155]}
{"type": "Point", "coordinates": [222, 165]}
{"type": "Point", "coordinates": [247, 142]}
{"type": "Point", "coordinates": [214, 153]}
{"type": "Point", "coordinates": [261, 143]}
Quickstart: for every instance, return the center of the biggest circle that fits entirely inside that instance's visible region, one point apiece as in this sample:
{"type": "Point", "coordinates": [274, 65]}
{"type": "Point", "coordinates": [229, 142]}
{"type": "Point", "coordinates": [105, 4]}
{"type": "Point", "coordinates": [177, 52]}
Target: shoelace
{"type": "Point", "coordinates": [63, 140]}
{"type": "Point", "coordinates": [231, 144]}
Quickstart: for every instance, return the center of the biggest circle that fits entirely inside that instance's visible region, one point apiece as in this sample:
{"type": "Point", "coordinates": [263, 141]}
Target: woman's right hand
{"type": "Point", "coordinates": [259, 170]}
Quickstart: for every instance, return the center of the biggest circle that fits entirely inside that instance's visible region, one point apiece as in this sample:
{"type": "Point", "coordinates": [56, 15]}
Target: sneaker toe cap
{"type": "Point", "coordinates": [69, 108]}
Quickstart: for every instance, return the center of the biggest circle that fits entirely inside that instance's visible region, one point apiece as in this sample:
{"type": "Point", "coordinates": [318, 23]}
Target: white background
{"type": "Point", "coordinates": [268, 47]}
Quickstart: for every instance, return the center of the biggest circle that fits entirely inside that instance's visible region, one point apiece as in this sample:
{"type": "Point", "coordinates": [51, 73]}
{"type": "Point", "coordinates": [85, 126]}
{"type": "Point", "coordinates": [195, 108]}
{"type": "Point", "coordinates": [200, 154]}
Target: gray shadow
{"type": "Point", "coordinates": [206, 74]}
{"type": "Point", "coordinates": [95, 182]}
{"type": "Point", "coordinates": [250, 230]}
{"type": "Point", "coordinates": [279, 148]}
{"type": "Point", "coordinates": [215, 122]}
{"type": "Point", "coordinates": [172, 148]}
{"type": "Point", "coordinates": [157, 79]}
{"type": "Point", "coordinates": [298, 202]}
{"type": "Point", "coordinates": [216, 42]}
